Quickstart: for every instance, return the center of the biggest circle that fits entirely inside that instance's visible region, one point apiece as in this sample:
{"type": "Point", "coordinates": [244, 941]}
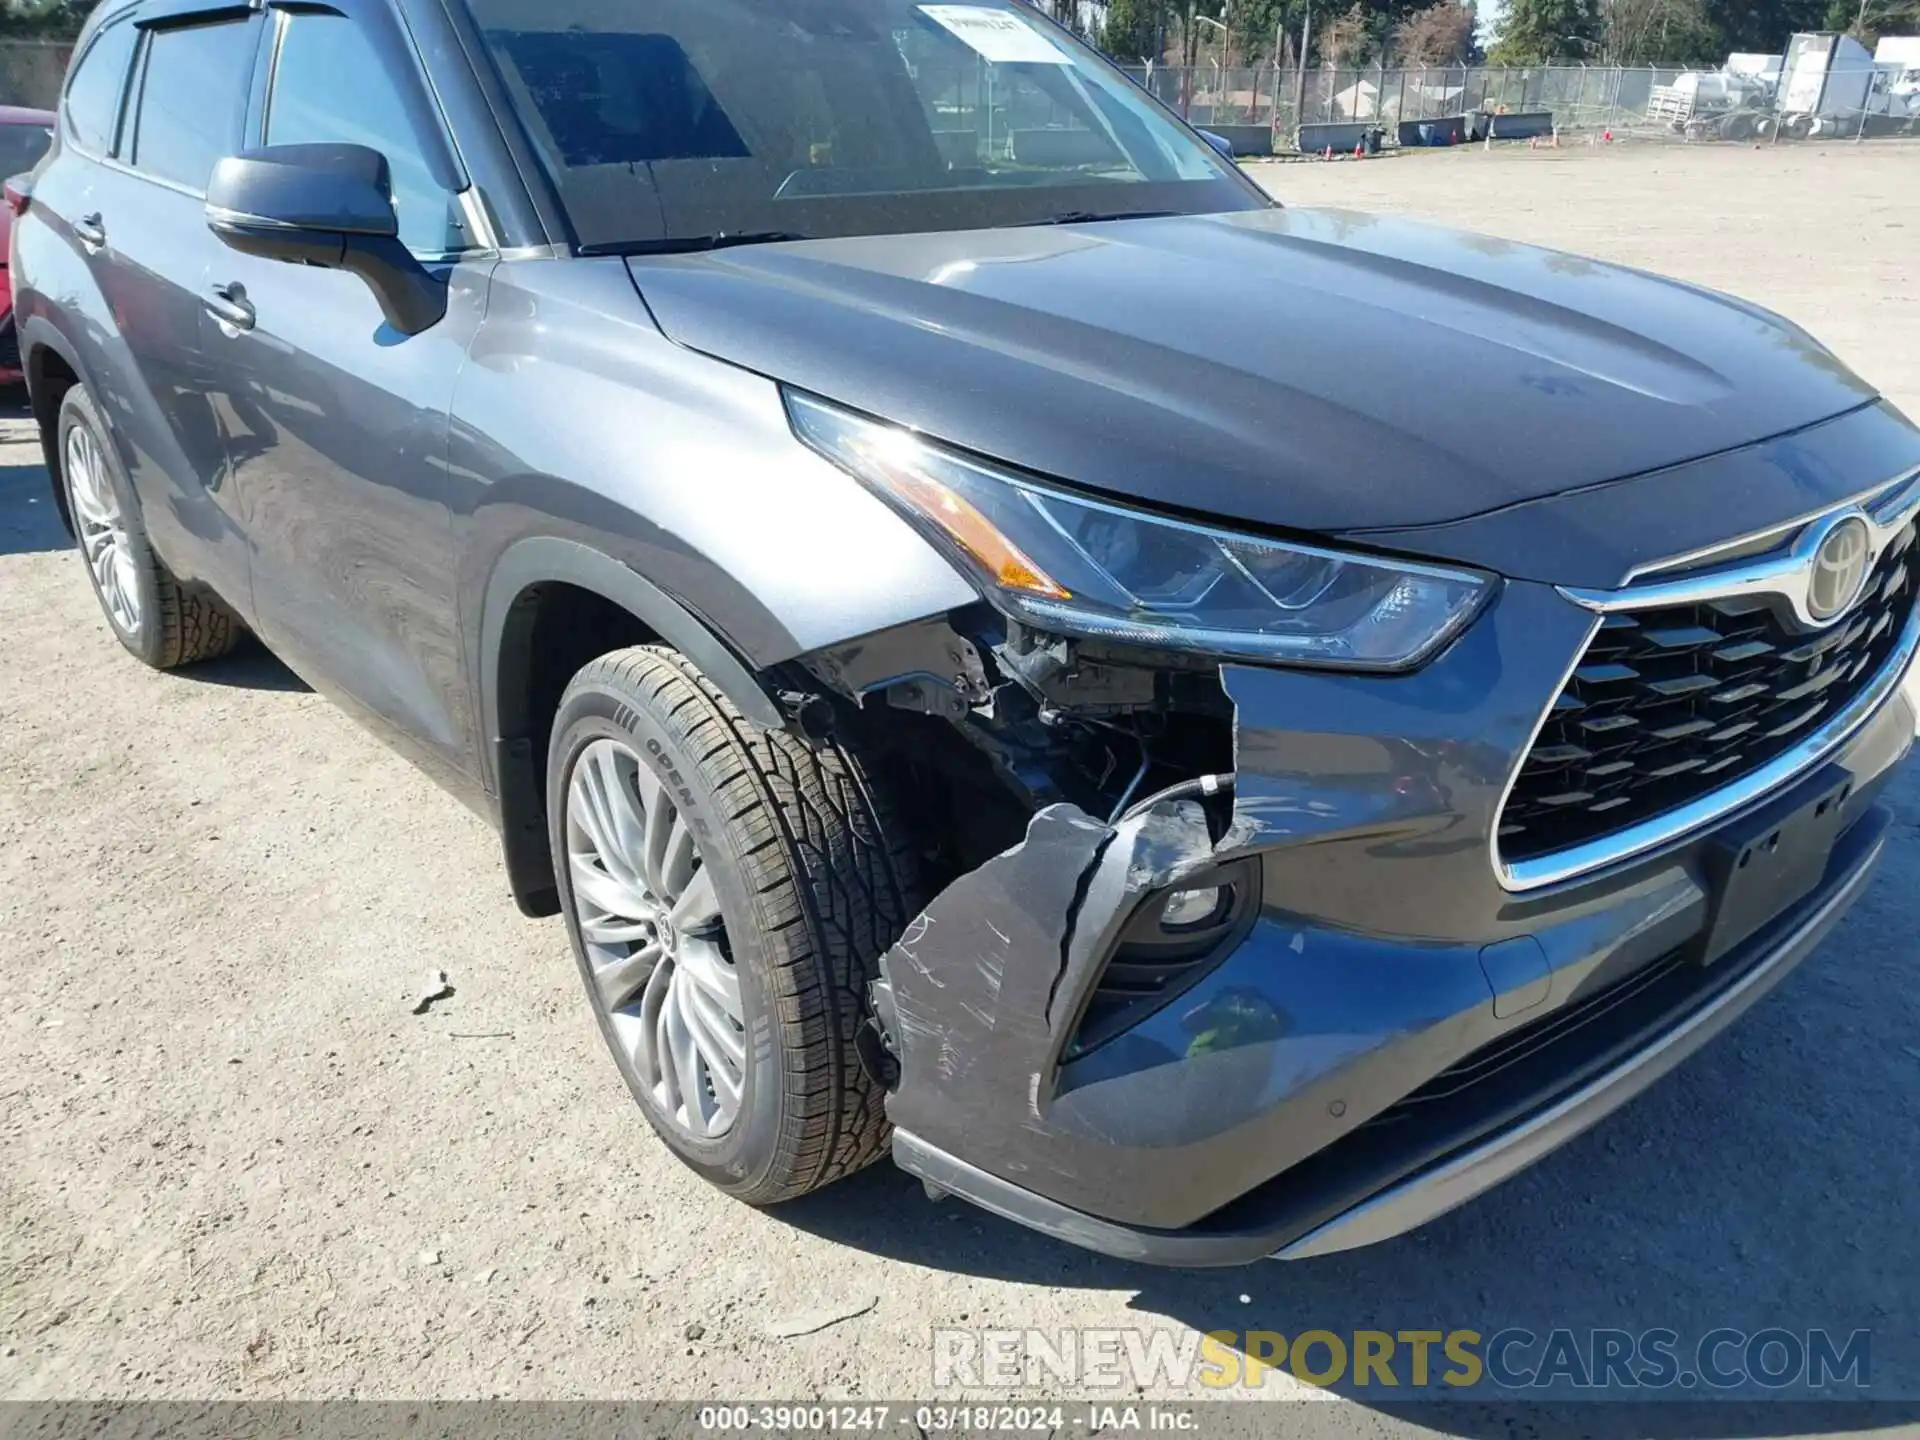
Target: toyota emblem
{"type": "Point", "coordinates": [1839, 569]}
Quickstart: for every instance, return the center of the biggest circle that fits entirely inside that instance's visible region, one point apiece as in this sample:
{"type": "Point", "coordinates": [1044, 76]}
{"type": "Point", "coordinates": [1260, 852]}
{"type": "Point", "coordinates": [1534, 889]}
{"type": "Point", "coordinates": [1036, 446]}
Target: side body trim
{"type": "Point", "coordinates": [518, 771]}
{"type": "Point", "coordinates": [544, 558]}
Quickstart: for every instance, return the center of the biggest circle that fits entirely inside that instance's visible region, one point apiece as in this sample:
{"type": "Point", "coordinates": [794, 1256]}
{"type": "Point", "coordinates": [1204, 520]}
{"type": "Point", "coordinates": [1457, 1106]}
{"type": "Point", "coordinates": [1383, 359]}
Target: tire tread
{"type": "Point", "coordinates": [195, 624]}
{"type": "Point", "coordinates": [187, 624]}
{"type": "Point", "coordinates": [833, 876]}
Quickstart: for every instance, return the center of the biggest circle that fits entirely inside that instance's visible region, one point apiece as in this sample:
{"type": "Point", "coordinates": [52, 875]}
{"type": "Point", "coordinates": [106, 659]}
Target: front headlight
{"type": "Point", "coordinates": [1065, 563]}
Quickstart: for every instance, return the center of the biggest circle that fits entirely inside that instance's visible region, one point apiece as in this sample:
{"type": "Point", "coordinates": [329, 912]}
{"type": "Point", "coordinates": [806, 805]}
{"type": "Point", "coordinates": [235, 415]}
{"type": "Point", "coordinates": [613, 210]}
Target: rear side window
{"type": "Point", "coordinates": [192, 90]}
{"type": "Point", "coordinates": [95, 87]}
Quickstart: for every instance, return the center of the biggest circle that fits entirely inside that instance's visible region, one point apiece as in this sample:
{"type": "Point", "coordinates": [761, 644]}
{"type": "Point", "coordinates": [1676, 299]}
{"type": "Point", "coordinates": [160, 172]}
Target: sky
{"type": "Point", "coordinates": [1489, 12]}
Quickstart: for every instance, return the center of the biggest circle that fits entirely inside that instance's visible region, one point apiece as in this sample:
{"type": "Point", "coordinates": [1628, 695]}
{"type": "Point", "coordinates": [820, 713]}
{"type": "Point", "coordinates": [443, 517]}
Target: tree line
{"type": "Point", "coordinates": [43, 19]}
{"type": "Point", "coordinates": [1366, 32]}
{"type": "Point", "coordinates": [1527, 32]}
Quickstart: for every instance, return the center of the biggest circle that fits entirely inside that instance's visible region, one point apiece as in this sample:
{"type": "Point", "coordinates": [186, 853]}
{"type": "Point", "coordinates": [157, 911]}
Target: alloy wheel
{"type": "Point", "coordinates": [651, 926]}
{"type": "Point", "coordinates": [102, 529]}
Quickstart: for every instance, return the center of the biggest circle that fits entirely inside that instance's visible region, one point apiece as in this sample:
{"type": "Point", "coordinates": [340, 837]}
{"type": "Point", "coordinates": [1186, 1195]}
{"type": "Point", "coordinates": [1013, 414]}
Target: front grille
{"type": "Point", "coordinates": [1668, 705]}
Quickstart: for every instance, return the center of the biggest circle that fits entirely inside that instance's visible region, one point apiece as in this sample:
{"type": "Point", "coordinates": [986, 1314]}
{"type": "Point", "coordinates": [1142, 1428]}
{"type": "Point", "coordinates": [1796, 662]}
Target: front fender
{"type": "Point", "coordinates": [587, 449]}
{"type": "Point", "coordinates": [576, 417]}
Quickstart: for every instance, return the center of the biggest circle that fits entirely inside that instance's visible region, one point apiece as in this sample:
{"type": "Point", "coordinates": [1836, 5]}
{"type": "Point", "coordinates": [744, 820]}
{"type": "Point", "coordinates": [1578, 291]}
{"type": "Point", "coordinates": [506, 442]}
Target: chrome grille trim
{"type": "Point", "coordinates": [1888, 510]}
{"type": "Point", "coordinates": [1897, 496]}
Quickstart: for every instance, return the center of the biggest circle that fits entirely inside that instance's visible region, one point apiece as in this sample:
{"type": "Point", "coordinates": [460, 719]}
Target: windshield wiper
{"type": "Point", "coordinates": [1094, 217]}
{"type": "Point", "coordinates": [688, 244]}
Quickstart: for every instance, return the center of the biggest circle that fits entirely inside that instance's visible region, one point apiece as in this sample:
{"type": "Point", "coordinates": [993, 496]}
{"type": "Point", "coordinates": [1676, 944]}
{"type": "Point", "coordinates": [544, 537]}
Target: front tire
{"type": "Point", "coordinates": [728, 892]}
{"type": "Point", "coordinates": [157, 619]}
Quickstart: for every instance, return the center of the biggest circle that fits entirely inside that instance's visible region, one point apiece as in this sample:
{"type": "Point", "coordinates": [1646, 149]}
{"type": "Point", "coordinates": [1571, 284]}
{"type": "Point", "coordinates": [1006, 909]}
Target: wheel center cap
{"type": "Point", "coordinates": [667, 938]}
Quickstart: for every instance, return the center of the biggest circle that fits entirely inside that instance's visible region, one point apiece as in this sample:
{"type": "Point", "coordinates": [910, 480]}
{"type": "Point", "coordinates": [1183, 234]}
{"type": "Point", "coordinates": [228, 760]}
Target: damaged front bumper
{"type": "Point", "coordinates": [1383, 1032]}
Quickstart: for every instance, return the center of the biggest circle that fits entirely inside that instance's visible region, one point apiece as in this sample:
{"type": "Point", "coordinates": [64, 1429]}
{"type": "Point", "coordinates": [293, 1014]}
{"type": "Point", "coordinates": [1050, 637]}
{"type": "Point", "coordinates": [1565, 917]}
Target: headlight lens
{"type": "Point", "coordinates": [1069, 564]}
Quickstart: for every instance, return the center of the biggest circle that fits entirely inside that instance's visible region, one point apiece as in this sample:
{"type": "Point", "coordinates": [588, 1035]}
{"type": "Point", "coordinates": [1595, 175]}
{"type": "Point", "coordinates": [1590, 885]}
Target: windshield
{"type": "Point", "coordinates": [668, 124]}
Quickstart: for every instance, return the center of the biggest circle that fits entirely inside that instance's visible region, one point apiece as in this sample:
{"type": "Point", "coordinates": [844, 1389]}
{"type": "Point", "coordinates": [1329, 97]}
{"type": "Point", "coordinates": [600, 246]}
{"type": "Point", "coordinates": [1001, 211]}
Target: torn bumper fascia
{"type": "Point", "coordinates": [1249, 1069]}
{"type": "Point", "coordinates": [1367, 804]}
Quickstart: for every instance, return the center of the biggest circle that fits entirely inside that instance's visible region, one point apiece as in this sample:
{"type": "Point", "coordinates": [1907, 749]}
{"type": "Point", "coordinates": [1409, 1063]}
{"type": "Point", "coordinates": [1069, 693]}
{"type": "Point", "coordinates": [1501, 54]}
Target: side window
{"type": "Point", "coordinates": [330, 87]}
{"type": "Point", "coordinates": [95, 87]}
{"type": "Point", "coordinates": [192, 89]}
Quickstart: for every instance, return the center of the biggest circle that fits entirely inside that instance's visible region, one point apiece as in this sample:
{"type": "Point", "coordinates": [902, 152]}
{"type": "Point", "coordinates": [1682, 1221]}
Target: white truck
{"type": "Point", "coordinates": [1831, 85]}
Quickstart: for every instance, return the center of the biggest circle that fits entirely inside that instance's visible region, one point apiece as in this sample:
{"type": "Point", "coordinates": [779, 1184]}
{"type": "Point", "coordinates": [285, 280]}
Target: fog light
{"type": "Point", "coordinates": [1191, 907]}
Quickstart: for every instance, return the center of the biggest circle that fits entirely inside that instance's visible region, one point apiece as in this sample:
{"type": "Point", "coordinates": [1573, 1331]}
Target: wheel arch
{"type": "Point", "coordinates": [543, 589]}
{"type": "Point", "coordinates": [50, 369]}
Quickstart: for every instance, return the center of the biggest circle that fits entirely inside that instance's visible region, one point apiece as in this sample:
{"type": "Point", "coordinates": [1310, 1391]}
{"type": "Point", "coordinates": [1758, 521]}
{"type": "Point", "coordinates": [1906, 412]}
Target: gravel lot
{"type": "Point", "coordinates": [237, 1166]}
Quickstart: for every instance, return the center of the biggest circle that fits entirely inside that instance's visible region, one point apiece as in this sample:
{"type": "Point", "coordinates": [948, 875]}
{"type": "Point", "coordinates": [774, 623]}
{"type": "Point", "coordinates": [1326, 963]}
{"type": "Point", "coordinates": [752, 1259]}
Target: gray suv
{"type": "Point", "coordinates": [1209, 729]}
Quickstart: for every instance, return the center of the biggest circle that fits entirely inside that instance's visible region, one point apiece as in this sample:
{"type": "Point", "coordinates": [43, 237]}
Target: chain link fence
{"type": "Point", "coordinates": [31, 71]}
{"type": "Point", "coordinates": [1578, 100]}
{"type": "Point", "coordinates": [1581, 99]}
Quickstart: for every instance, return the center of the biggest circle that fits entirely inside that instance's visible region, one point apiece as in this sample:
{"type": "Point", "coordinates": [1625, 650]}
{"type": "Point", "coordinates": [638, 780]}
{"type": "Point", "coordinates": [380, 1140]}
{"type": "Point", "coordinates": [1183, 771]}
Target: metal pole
{"type": "Point", "coordinates": [1279, 43]}
{"type": "Point", "coordinates": [1300, 78]}
{"type": "Point", "coordinates": [1226, 54]}
{"type": "Point", "coordinates": [1219, 66]}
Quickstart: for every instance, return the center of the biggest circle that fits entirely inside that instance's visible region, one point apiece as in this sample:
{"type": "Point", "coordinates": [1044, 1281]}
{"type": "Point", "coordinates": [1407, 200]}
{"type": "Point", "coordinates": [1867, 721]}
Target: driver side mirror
{"type": "Point", "coordinates": [1219, 142]}
{"type": "Point", "coordinates": [330, 206]}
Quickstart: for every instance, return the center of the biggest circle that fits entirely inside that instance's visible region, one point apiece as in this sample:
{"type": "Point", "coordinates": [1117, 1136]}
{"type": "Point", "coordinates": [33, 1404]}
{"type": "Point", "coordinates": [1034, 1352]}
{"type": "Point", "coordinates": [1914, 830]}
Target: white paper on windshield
{"type": "Point", "coordinates": [996, 35]}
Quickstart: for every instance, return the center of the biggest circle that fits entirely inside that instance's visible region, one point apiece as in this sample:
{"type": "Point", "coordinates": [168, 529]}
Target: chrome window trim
{"type": "Point", "coordinates": [1774, 574]}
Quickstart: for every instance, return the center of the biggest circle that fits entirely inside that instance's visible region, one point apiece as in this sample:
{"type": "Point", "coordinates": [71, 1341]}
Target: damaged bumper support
{"type": "Point", "coordinates": [1368, 1029]}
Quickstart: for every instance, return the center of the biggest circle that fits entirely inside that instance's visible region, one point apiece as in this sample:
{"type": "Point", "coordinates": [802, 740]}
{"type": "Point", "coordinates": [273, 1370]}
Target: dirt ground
{"type": "Point", "coordinates": [236, 1165]}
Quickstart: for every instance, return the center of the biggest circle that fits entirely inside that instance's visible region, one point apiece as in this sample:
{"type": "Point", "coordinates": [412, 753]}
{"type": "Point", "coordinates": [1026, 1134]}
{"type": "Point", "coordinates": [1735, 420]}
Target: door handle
{"type": "Point", "coordinates": [229, 305]}
{"type": "Point", "coordinates": [92, 233]}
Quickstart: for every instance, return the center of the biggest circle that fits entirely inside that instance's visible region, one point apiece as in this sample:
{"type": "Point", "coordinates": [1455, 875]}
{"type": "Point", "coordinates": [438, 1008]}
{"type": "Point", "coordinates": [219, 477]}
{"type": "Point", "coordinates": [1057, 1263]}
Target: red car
{"type": "Point", "coordinates": [24, 137]}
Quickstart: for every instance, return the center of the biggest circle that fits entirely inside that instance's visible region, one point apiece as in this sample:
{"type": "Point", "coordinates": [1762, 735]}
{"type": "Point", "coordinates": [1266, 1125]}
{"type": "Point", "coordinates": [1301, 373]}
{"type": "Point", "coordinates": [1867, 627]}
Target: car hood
{"type": "Point", "coordinates": [1308, 369]}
